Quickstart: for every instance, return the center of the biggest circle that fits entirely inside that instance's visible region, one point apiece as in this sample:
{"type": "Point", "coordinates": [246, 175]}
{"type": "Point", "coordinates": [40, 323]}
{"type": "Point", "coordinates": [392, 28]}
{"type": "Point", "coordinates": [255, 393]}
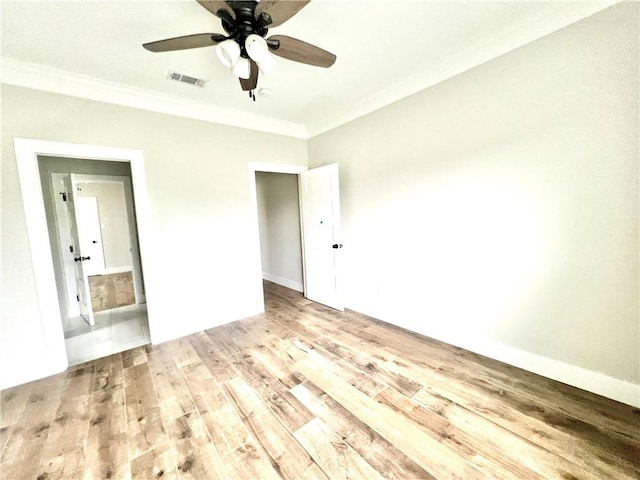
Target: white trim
{"type": "Point", "coordinates": [589, 380]}
{"type": "Point", "coordinates": [99, 178]}
{"type": "Point", "coordinates": [40, 77]}
{"type": "Point", "coordinates": [13, 375]}
{"type": "Point", "coordinates": [625, 392]}
{"type": "Point", "coordinates": [285, 282]}
{"type": "Point", "coordinates": [511, 37]}
{"type": "Point", "coordinates": [112, 270]}
{"type": "Point", "coordinates": [27, 151]}
{"type": "Point", "coordinates": [275, 168]}
{"type": "Point", "coordinates": [44, 277]}
{"type": "Point", "coordinates": [301, 194]}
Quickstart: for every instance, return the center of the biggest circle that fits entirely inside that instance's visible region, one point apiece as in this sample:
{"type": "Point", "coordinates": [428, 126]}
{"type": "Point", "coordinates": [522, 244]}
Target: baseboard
{"type": "Point", "coordinates": [173, 330]}
{"type": "Point", "coordinates": [11, 376]}
{"type": "Point", "coordinates": [595, 382]}
{"type": "Point", "coordinates": [589, 380]}
{"type": "Point", "coordinates": [285, 282]}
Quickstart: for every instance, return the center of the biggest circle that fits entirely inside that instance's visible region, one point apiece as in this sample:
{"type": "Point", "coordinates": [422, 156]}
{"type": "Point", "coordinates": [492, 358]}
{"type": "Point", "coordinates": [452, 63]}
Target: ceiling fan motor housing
{"type": "Point", "coordinates": [245, 24]}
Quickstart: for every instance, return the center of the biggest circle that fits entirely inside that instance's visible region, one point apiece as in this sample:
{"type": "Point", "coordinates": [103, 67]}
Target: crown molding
{"type": "Point", "coordinates": [503, 41]}
{"type": "Point", "coordinates": [39, 77]}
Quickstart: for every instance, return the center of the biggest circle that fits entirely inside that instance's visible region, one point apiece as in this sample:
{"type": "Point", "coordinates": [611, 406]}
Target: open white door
{"type": "Point", "coordinates": [89, 234]}
{"type": "Point", "coordinates": [320, 218]}
{"type": "Point", "coordinates": [82, 282]}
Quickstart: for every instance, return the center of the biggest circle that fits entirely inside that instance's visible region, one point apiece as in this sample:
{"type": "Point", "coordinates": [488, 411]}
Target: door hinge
{"type": "Point", "coordinates": [78, 298]}
{"type": "Point", "coordinates": [64, 196]}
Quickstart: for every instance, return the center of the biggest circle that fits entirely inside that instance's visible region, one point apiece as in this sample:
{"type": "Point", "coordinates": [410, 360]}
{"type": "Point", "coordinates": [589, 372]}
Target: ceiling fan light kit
{"type": "Point", "coordinates": [245, 49]}
{"type": "Point", "coordinates": [242, 68]}
{"type": "Point", "coordinates": [228, 52]}
{"type": "Point", "coordinates": [267, 64]}
{"type": "Point", "coordinates": [258, 51]}
{"type": "Point", "coordinates": [256, 47]}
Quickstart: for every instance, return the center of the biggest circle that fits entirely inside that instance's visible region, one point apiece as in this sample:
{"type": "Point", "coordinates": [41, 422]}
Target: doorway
{"type": "Point", "coordinates": [318, 229]}
{"type": "Point", "coordinates": [279, 225]}
{"type": "Point", "coordinates": [94, 246]}
{"type": "Point", "coordinates": [260, 187]}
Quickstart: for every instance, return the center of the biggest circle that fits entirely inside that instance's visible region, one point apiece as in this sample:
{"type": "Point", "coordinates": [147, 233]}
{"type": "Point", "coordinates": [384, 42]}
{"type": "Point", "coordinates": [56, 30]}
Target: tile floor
{"type": "Point", "coordinates": [116, 330]}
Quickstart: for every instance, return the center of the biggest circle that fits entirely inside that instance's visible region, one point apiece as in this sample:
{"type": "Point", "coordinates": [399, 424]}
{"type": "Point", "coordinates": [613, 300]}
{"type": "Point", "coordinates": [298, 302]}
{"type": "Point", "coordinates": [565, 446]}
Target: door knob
{"type": "Point", "coordinates": [85, 258]}
{"type": "Point", "coordinates": [336, 245]}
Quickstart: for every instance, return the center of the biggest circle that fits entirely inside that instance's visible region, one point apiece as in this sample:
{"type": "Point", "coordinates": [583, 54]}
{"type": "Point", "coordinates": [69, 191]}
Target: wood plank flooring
{"type": "Point", "coordinates": [304, 392]}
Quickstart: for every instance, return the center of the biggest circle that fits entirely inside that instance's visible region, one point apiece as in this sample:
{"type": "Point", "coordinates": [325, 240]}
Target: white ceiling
{"type": "Point", "coordinates": [386, 50]}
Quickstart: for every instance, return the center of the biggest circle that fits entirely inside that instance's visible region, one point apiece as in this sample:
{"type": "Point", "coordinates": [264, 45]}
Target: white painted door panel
{"type": "Point", "coordinates": [320, 212]}
{"type": "Point", "coordinates": [65, 241]}
{"type": "Point", "coordinates": [82, 282]}
{"type": "Point", "coordinates": [90, 234]}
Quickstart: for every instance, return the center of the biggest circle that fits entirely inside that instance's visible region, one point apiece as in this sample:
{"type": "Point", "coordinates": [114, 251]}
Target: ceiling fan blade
{"type": "Point", "coordinates": [279, 10]}
{"type": "Point", "coordinates": [299, 51]}
{"type": "Point", "coordinates": [183, 43]}
{"type": "Point", "coordinates": [218, 8]}
{"type": "Point", "coordinates": [252, 81]}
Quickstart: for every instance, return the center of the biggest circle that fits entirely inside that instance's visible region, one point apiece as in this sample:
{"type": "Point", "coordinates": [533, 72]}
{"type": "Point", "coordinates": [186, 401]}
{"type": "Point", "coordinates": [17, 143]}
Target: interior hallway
{"type": "Point", "coordinates": [116, 330]}
{"type": "Point", "coordinates": [303, 391]}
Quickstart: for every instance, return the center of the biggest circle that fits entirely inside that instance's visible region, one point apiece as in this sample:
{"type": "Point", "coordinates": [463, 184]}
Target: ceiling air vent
{"type": "Point", "coordinates": [178, 77]}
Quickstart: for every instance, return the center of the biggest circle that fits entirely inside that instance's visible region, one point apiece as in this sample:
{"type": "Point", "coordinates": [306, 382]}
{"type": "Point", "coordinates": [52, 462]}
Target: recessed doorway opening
{"type": "Point", "coordinates": [309, 230]}
{"type": "Point", "coordinates": [279, 225]}
{"type": "Point", "coordinates": [93, 238]}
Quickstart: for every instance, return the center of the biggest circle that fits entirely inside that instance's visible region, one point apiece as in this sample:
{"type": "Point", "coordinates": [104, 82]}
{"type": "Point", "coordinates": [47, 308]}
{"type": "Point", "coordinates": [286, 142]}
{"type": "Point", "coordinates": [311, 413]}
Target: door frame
{"type": "Point", "coordinates": [253, 195]}
{"type": "Point", "coordinates": [27, 151]}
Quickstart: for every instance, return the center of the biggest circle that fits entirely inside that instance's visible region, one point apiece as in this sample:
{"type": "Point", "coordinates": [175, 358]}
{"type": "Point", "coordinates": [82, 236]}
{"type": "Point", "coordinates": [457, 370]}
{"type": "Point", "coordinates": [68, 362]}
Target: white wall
{"type": "Point", "coordinates": [113, 221]}
{"type": "Point", "coordinates": [498, 210]}
{"type": "Point", "coordinates": [279, 220]}
{"type": "Point", "coordinates": [202, 268]}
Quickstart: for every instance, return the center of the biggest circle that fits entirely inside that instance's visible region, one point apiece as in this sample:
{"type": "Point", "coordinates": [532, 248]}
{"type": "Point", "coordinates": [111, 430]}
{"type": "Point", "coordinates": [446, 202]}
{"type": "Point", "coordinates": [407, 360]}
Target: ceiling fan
{"type": "Point", "coordinates": [245, 48]}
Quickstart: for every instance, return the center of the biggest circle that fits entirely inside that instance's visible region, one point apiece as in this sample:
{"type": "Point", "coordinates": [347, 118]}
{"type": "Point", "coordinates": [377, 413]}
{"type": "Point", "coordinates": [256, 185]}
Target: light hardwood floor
{"type": "Point", "coordinates": [306, 392]}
